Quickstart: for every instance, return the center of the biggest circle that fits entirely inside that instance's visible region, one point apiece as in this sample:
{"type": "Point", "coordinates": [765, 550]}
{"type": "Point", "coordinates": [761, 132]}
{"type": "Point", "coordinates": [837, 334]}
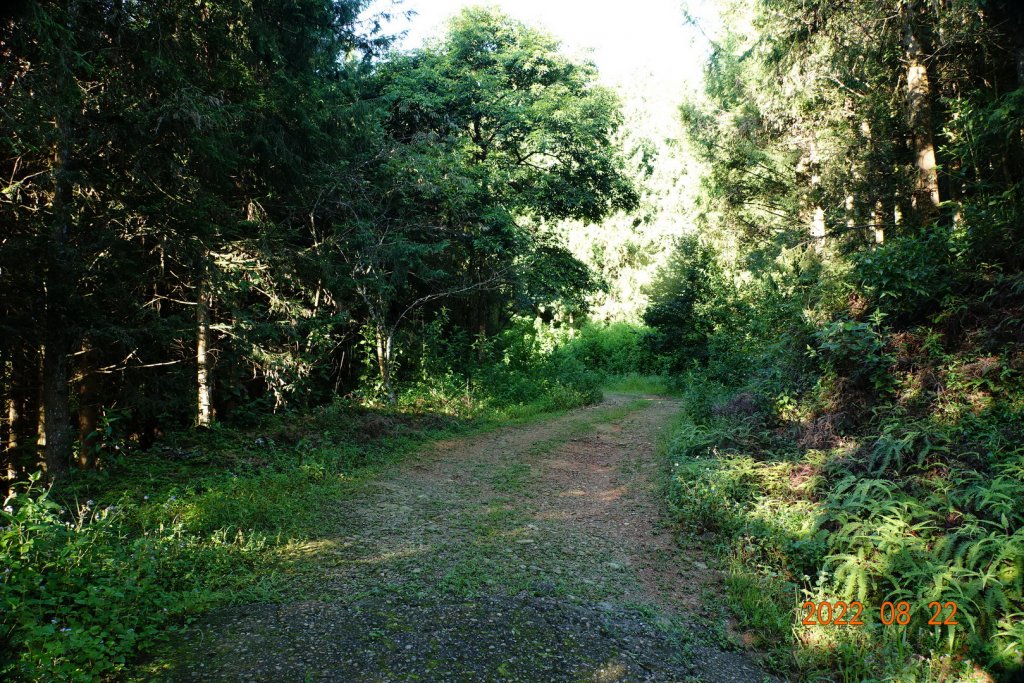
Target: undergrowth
{"type": "Point", "coordinates": [921, 509]}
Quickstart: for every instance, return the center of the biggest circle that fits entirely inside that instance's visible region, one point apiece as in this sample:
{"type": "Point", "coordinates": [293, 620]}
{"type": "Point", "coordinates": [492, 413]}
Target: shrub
{"type": "Point", "coordinates": [908, 277]}
{"type": "Point", "coordinates": [857, 350]}
{"type": "Point", "coordinates": [83, 591]}
{"type": "Point", "coordinates": [76, 599]}
{"type": "Point", "coordinates": [616, 349]}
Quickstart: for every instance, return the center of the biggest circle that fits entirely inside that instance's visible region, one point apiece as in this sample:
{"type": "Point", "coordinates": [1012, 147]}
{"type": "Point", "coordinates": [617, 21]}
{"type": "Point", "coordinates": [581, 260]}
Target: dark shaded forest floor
{"type": "Point", "coordinates": [540, 552]}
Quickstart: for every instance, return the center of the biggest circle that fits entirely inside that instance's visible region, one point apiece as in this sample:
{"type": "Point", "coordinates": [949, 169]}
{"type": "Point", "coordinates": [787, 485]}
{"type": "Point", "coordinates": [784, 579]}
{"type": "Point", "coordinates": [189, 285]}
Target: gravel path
{"type": "Point", "coordinates": [534, 553]}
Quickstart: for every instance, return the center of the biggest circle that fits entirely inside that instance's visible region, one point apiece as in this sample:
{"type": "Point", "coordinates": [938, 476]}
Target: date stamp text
{"type": "Point", "coordinates": [841, 613]}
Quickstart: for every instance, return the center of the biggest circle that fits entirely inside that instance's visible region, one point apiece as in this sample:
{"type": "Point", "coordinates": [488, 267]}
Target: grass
{"type": "Point", "coordinates": [511, 478]}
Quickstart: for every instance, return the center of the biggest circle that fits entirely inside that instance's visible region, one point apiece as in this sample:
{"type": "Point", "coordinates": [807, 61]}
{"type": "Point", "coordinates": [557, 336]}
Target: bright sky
{"type": "Point", "coordinates": [628, 39]}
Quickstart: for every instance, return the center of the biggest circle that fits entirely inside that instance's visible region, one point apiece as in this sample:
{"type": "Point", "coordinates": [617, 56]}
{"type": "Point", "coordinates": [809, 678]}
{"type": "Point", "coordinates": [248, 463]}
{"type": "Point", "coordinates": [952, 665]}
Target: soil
{"type": "Point", "coordinates": [539, 552]}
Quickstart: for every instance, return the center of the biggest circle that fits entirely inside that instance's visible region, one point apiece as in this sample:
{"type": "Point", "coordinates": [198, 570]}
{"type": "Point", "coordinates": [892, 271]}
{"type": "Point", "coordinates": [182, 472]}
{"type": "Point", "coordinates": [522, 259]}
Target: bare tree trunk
{"type": "Point", "coordinates": [204, 379]}
{"type": "Point", "coordinates": [1020, 68]}
{"type": "Point", "coordinates": [480, 324]}
{"type": "Point", "coordinates": [56, 412]}
{"type": "Point", "coordinates": [1020, 81]}
{"type": "Point", "coordinates": [25, 411]}
{"type": "Point", "coordinates": [811, 209]}
{"type": "Point", "coordinates": [10, 418]}
{"type": "Point", "coordinates": [40, 407]}
{"type": "Point", "coordinates": [878, 221]}
{"type": "Point", "coordinates": [384, 341]}
{"type": "Point", "coordinates": [10, 449]}
{"type": "Point", "coordinates": [818, 224]}
{"type": "Point", "coordinates": [88, 406]}
{"type": "Point", "coordinates": [20, 411]}
{"type": "Point", "coordinates": [56, 336]}
{"type": "Point", "coordinates": [919, 115]}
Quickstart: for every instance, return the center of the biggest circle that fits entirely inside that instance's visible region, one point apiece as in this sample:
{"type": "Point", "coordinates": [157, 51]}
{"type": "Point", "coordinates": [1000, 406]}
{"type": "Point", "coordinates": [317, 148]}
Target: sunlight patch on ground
{"type": "Point", "coordinates": [612, 495]}
{"type": "Point", "coordinates": [610, 671]}
{"type": "Point", "coordinates": [348, 551]}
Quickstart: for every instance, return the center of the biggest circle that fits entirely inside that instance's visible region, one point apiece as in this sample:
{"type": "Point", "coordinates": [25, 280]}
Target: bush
{"type": "Point", "coordinates": [531, 369]}
{"type": "Point", "coordinates": [616, 349]}
{"type": "Point", "coordinates": [78, 597]}
{"type": "Point", "coordinates": [908, 277]}
{"type": "Point", "coordinates": [857, 350]}
{"type": "Point", "coordinates": [525, 369]}
{"type": "Point", "coordinates": [86, 587]}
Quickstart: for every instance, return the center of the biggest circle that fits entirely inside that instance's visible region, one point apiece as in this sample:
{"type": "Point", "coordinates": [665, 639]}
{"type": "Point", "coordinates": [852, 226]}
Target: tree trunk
{"type": "Point", "coordinates": [10, 449]}
{"type": "Point", "coordinates": [56, 335]}
{"type": "Point", "coordinates": [204, 379]}
{"type": "Point", "coordinates": [88, 407]}
{"type": "Point", "coordinates": [877, 210]}
{"type": "Point", "coordinates": [815, 214]}
{"type": "Point", "coordinates": [384, 352]}
{"type": "Point", "coordinates": [919, 115]}
{"type": "Point", "coordinates": [10, 417]}
{"type": "Point", "coordinates": [1020, 67]}
{"type": "Point", "coordinates": [40, 410]}
{"type": "Point", "coordinates": [56, 412]}
{"type": "Point", "coordinates": [24, 426]}
{"type": "Point", "coordinates": [818, 225]}
{"type": "Point", "coordinates": [878, 222]}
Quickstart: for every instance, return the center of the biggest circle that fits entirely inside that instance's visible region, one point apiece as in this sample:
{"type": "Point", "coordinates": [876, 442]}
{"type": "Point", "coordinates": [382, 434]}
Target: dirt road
{"type": "Point", "coordinates": [539, 552]}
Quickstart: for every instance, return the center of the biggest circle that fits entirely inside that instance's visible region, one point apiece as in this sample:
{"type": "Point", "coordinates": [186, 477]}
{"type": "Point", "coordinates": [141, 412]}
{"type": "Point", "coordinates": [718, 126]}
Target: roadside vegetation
{"type": "Point", "coordinates": [252, 258]}
{"type": "Point", "coordinates": [848, 327]}
{"type": "Point", "coordinates": [114, 562]}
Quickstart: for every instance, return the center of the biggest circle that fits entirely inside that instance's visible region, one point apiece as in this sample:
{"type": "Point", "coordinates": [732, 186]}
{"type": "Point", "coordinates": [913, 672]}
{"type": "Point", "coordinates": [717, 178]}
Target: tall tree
{"type": "Point", "coordinates": [499, 133]}
{"type": "Point", "coordinates": [919, 113]}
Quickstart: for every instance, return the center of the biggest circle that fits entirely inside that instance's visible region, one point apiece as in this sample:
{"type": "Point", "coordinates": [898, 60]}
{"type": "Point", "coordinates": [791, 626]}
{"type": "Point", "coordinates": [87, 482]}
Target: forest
{"type": "Point", "coordinates": [255, 260]}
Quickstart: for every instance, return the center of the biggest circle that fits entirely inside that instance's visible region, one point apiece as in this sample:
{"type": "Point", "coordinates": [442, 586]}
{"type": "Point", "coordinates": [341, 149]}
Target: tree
{"type": "Point", "coordinates": [206, 204]}
{"type": "Point", "coordinates": [495, 133]}
{"type": "Point", "coordinates": [682, 304]}
{"type": "Point", "coordinates": [152, 184]}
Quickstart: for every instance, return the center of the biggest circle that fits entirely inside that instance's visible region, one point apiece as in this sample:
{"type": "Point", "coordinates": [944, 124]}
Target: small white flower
{"type": "Point", "coordinates": [89, 503]}
{"type": "Point", "coordinates": [145, 498]}
{"type": "Point", "coordinates": [8, 509]}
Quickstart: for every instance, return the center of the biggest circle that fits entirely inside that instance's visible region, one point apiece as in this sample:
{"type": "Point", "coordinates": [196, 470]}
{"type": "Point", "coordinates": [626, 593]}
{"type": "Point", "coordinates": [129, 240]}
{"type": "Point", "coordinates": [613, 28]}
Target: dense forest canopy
{"type": "Point", "coordinates": [212, 209]}
{"type": "Point", "coordinates": [215, 215]}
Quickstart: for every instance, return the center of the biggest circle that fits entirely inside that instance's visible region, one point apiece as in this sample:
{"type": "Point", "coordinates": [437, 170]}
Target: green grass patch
{"type": "Point", "coordinates": [511, 478]}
